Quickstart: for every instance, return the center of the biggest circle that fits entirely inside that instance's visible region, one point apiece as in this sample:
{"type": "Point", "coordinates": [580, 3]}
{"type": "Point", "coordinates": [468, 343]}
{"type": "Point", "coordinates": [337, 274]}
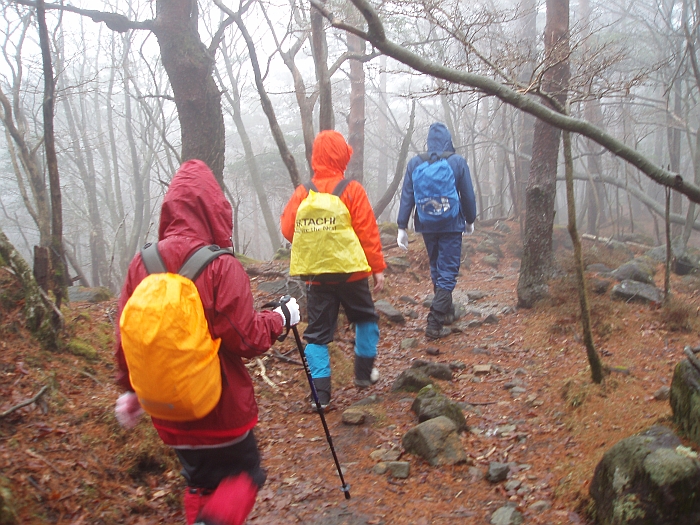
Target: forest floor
{"type": "Point", "coordinates": [66, 460]}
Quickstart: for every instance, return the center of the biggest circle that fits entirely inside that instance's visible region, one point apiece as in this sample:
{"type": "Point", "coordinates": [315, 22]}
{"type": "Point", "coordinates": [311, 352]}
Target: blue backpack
{"type": "Point", "coordinates": [435, 190]}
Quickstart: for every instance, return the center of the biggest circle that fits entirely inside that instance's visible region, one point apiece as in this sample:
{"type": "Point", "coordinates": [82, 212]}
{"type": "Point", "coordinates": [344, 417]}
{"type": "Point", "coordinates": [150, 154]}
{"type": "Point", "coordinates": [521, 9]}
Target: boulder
{"type": "Point", "coordinates": [430, 404]}
{"type": "Point", "coordinates": [629, 290]}
{"type": "Point", "coordinates": [391, 313]}
{"type": "Point", "coordinates": [685, 399]}
{"type": "Point", "coordinates": [639, 269]}
{"type": "Point", "coordinates": [411, 380]}
{"type": "Point", "coordinates": [436, 441]}
{"type": "Point", "coordinates": [647, 479]}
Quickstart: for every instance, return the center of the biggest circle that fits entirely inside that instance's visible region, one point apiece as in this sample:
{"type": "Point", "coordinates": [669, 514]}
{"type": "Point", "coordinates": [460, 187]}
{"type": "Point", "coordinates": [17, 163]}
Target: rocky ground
{"type": "Point", "coordinates": [521, 377]}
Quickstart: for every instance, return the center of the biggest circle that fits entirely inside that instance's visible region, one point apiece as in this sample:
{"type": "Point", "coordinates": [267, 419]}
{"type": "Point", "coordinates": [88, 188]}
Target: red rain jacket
{"type": "Point", "coordinates": [195, 213]}
{"type": "Point", "coordinates": [329, 159]}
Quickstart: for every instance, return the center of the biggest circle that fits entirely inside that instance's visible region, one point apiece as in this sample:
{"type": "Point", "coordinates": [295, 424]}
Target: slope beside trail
{"type": "Point", "coordinates": [66, 460]}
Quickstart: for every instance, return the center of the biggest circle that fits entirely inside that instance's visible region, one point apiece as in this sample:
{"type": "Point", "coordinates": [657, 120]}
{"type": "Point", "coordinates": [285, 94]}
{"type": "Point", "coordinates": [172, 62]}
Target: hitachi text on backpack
{"type": "Point", "coordinates": [324, 241]}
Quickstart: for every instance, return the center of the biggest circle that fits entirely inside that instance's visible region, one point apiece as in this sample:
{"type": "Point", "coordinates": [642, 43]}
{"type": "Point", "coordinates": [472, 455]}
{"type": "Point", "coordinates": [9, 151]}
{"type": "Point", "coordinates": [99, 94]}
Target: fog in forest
{"type": "Point", "coordinates": [122, 85]}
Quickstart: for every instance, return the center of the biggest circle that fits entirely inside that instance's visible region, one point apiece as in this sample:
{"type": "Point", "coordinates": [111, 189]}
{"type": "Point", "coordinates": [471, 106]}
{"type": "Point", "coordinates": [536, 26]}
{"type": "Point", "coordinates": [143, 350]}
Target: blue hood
{"type": "Point", "coordinates": [439, 139]}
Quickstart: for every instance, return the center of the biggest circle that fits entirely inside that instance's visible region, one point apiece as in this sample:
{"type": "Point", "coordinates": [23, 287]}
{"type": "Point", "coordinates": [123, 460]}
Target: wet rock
{"type": "Point", "coordinates": [635, 291]}
{"type": "Point", "coordinates": [430, 404]}
{"type": "Point", "coordinates": [432, 350]}
{"type": "Point", "coordinates": [540, 506]}
{"type": "Point", "coordinates": [391, 313]}
{"type": "Point", "coordinates": [506, 516]}
{"type": "Point", "coordinates": [643, 479]}
{"type": "Point", "coordinates": [475, 295]}
{"type": "Point", "coordinates": [353, 416]}
{"type": "Point", "coordinates": [399, 469]}
{"type": "Point", "coordinates": [411, 380]}
{"type": "Point", "coordinates": [497, 471]}
{"type": "Point", "coordinates": [685, 399]}
{"type": "Point", "coordinates": [639, 269]}
{"type": "Point", "coordinates": [409, 342]}
{"type": "Point", "coordinates": [436, 370]}
{"type": "Point", "coordinates": [397, 264]}
{"type": "Point", "coordinates": [408, 300]}
{"type": "Point", "coordinates": [436, 441]}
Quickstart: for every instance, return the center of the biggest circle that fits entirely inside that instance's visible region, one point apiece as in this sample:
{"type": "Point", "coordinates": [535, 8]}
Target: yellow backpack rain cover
{"type": "Point", "coordinates": [173, 360]}
{"type": "Point", "coordinates": [324, 240]}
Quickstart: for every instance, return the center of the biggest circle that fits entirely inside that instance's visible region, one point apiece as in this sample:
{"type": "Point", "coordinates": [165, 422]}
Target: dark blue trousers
{"type": "Point", "coordinates": [445, 253]}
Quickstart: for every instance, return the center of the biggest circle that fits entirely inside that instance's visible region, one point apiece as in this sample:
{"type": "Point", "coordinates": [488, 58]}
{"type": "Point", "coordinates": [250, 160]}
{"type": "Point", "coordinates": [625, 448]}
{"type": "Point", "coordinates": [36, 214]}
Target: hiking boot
{"type": "Point", "coordinates": [456, 312]}
{"type": "Point", "coordinates": [323, 391]}
{"type": "Point", "coordinates": [437, 332]}
{"type": "Point", "coordinates": [365, 373]}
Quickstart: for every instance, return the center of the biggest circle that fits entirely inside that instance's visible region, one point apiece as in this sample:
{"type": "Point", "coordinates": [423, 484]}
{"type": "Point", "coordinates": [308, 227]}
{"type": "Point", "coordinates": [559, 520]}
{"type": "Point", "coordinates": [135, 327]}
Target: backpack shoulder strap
{"type": "Point", "coordinates": [310, 186]}
{"type": "Point", "coordinates": [425, 157]}
{"type": "Point", "coordinates": [340, 187]}
{"type": "Point", "coordinates": [199, 260]}
{"type": "Point", "coordinates": [151, 259]}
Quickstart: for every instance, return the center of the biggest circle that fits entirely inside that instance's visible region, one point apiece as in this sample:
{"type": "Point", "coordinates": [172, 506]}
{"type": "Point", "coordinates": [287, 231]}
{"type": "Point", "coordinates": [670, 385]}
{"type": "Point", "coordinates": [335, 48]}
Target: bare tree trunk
{"type": "Point", "coordinates": [593, 357]}
{"type": "Point", "coordinates": [526, 122]}
{"type": "Point", "coordinates": [59, 269]}
{"type": "Point", "coordinates": [382, 130]}
{"type": "Point", "coordinates": [538, 259]}
{"type": "Point", "coordinates": [674, 151]}
{"type": "Point", "coordinates": [189, 65]}
{"type": "Point", "coordinates": [356, 119]}
{"type": "Point", "coordinates": [319, 50]}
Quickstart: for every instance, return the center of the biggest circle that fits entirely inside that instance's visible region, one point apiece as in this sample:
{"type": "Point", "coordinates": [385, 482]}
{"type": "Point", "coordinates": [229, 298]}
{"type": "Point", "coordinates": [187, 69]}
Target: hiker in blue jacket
{"type": "Point", "coordinates": [438, 185]}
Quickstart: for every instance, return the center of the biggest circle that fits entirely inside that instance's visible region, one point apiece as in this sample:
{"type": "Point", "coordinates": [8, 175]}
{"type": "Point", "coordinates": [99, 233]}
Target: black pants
{"type": "Point", "coordinates": [324, 302]}
{"type": "Point", "coordinates": [205, 468]}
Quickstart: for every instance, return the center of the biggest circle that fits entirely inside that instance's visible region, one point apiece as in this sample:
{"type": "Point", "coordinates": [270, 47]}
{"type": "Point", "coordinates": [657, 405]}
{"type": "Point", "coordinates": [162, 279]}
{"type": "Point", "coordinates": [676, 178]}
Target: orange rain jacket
{"type": "Point", "coordinates": [329, 159]}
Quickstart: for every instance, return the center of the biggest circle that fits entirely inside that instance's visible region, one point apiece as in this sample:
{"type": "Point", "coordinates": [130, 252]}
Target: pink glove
{"type": "Point", "coordinates": [128, 410]}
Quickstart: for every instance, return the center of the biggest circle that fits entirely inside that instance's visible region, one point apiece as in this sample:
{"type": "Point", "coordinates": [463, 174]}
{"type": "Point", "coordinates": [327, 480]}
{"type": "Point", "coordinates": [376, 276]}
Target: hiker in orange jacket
{"type": "Point", "coordinates": [329, 159]}
{"type": "Point", "coordinates": [219, 455]}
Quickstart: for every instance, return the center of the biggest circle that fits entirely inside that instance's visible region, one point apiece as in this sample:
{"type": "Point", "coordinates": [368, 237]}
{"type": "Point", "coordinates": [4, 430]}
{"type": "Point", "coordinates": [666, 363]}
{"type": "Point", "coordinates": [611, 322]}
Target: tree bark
{"type": "Point", "coordinates": [593, 357]}
{"type": "Point", "coordinates": [356, 118]}
{"type": "Point", "coordinates": [59, 269]}
{"type": "Point", "coordinates": [319, 51]}
{"type": "Point", "coordinates": [189, 64]}
{"type": "Point", "coordinates": [537, 262]}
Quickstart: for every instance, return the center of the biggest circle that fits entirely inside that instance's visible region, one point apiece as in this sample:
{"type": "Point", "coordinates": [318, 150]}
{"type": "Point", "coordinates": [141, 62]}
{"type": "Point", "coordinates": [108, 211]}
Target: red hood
{"type": "Point", "coordinates": [195, 207]}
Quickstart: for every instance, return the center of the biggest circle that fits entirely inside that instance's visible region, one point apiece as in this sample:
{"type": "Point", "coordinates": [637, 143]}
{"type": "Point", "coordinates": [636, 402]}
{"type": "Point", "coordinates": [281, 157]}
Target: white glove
{"type": "Point", "coordinates": [402, 240]}
{"type": "Point", "coordinates": [128, 410]}
{"type": "Point", "coordinates": [294, 316]}
{"type": "Point", "coordinates": [470, 229]}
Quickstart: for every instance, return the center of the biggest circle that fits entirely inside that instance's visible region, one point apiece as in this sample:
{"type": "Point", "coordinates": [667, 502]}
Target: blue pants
{"type": "Point", "coordinates": [445, 253]}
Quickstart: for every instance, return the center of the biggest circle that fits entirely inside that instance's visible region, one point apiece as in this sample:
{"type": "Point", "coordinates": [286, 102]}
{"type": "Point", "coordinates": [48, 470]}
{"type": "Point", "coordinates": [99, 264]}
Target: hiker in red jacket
{"type": "Point", "coordinates": [218, 453]}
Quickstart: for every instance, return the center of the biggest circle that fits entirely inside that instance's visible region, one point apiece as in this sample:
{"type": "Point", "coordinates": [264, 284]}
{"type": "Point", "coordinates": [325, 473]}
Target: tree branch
{"type": "Point", "coordinates": [113, 21]}
{"type": "Point", "coordinates": [376, 36]}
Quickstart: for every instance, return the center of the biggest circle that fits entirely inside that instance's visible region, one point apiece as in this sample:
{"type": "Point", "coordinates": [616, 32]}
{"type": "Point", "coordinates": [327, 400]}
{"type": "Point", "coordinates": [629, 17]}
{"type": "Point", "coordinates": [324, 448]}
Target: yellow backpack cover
{"type": "Point", "coordinates": [173, 360]}
{"type": "Point", "coordinates": [325, 246]}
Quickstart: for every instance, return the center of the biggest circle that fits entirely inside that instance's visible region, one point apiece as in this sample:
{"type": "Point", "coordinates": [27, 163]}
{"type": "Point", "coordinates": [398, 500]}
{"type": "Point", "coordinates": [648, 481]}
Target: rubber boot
{"type": "Point", "coordinates": [231, 502]}
{"type": "Point", "coordinates": [439, 310]}
{"type": "Point", "coordinates": [323, 391]}
{"type": "Point", "coordinates": [365, 373]}
{"type": "Point", "coordinates": [366, 340]}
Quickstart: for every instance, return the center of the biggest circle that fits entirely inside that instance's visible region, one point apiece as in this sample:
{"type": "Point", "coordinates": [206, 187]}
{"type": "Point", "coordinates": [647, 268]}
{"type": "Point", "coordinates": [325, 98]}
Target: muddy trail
{"type": "Point", "coordinates": [521, 377]}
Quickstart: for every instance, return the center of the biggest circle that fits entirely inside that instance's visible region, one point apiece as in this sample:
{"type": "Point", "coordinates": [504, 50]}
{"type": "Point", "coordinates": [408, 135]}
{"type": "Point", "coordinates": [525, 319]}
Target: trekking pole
{"type": "Point", "coordinates": [300, 346]}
